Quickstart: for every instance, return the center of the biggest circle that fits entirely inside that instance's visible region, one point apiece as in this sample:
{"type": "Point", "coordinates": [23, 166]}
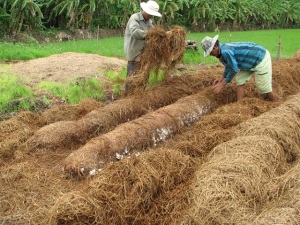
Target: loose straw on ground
{"type": "Point", "coordinates": [123, 192]}
{"type": "Point", "coordinates": [239, 177]}
{"type": "Point", "coordinates": [64, 133]}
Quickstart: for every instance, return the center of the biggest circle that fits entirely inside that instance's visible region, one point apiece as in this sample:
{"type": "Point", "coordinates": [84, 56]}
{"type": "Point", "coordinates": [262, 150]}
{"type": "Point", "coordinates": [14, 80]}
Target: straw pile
{"type": "Point", "coordinates": [286, 76]}
{"type": "Point", "coordinates": [33, 190]}
{"type": "Point", "coordinates": [105, 118]}
{"type": "Point", "coordinates": [162, 52]}
{"type": "Point", "coordinates": [146, 131]}
{"type": "Point", "coordinates": [239, 177]}
{"type": "Point", "coordinates": [15, 131]}
{"type": "Point", "coordinates": [124, 192]}
{"type": "Point", "coordinates": [285, 209]}
{"type": "Point", "coordinates": [69, 112]}
{"type": "Point", "coordinates": [231, 186]}
{"type": "Point", "coordinates": [282, 124]}
{"type": "Point", "coordinates": [218, 127]}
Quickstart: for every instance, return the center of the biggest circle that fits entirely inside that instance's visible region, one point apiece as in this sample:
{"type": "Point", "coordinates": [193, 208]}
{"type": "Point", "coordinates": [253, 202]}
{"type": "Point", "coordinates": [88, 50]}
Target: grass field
{"type": "Point", "coordinates": [114, 46]}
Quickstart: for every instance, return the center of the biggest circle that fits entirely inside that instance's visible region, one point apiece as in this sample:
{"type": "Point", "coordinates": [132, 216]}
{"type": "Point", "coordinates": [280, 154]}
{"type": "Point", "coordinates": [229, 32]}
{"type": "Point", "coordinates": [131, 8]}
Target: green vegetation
{"type": "Point", "coordinates": [289, 41]}
{"type": "Point", "coordinates": [117, 79]}
{"type": "Point", "coordinates": [21, 51]}
{"type": "Point", "coordinates": [14, 95]}
{"type": "Point", "coordinates": [199, 15]}
{"type": "Point", "coordinates": [74, 92]}
{"type": "Point", "coordinates": [113, 46]}
{"type": "Point", "coordinates": [154, 78]}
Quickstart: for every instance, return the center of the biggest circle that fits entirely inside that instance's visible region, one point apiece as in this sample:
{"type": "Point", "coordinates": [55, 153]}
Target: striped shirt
{"type": "Point", "coordinates": [134, 38]}
{"type": "Point", "coordinates": [240, 56]}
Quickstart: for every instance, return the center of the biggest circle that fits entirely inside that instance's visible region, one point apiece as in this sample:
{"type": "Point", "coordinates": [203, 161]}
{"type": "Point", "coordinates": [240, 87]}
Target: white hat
{"type": "Point", "coordinates": [208, 44]}
{"type": "Point", "coordinates": [151, 8]}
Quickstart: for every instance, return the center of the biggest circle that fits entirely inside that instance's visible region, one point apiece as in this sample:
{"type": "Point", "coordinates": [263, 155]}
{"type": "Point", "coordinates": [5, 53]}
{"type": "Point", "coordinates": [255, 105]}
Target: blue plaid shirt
{"type": "Point", "coordinates": [240, 56]}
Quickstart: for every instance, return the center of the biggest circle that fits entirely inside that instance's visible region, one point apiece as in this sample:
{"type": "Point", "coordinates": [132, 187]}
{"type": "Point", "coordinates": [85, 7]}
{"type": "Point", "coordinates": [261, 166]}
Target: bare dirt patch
{"type": "Point", "coordinates": [65, 67]}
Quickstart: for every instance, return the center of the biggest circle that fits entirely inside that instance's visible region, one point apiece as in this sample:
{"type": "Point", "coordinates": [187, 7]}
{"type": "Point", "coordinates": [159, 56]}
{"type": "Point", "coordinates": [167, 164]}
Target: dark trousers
{"type": "Point", "coordinates": [131, 68]}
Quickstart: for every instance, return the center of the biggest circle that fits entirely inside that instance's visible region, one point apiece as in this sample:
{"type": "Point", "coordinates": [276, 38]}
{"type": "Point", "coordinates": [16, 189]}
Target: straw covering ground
{"type": "Point", "coordinates": [171, 154]}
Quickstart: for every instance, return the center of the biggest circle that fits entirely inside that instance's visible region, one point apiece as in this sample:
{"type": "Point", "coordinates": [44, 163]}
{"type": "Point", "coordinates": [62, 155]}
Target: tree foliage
{"type": "Point", "coordinates": [200, 15]}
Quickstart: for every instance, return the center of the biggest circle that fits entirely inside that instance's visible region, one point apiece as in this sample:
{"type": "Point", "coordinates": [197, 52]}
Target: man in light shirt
{"type": "Point", "coordinates": [135, 33]}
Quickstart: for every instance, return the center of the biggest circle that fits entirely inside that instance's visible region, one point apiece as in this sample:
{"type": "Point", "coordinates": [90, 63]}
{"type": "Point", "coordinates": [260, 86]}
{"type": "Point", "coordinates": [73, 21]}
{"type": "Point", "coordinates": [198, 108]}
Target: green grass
{"type": "Point", "coordinates": [114, 46]}
{"type": "Point", "coordinates": [267, 38]}
{"type": "Point", "coordinates": [74, 92]}
{"type": "Point", "coordinates": [115, 77]}
{"type": "Point", "coordinates": [14, 95]}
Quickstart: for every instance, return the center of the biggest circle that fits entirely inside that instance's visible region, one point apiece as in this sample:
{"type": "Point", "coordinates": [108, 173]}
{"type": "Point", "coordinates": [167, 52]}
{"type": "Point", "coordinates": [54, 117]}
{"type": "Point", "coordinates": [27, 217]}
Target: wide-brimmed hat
{"type": "Point", "coordinates": [208, 44]}
{"type": "Point", "coordinates": [151, 8]}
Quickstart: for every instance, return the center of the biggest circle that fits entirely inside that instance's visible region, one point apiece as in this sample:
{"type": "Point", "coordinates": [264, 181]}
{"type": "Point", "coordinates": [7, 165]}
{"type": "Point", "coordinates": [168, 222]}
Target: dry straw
{"type": "Point", "coordinates": [285, 209]}
{"type": "Point", "coordinates": [31, 187]}
{"type": "Point", "coordinates": [239, 177]}
{"type": "Point", "coordinates": [282, 124]}
{"type": "Point", "coordinates": [15, 131]}
{"type": "Point", "coordinates": [69, 112]}
{"type": "Point", "coordinates": [286, 77]}
{"type": "Point", "coordinates": [231, 186]}
{"type": "Point", "coordinates": [123, 192]}
{"type": "Point", "coordinates": [162, 52]}
{"type": "Point", "coordinates": [136, 135]}
{"type": "Point", "coordinates": [103, 119]}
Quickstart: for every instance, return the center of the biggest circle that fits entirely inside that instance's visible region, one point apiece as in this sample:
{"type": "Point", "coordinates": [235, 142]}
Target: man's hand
{"type": "Point", "coordinates": [218, 86]}
{"type": "Point", "coordinates": [218, 80]}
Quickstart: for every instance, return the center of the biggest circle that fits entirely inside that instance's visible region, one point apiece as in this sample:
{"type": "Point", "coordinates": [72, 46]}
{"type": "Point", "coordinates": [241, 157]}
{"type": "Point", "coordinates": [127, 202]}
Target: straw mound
{"type": "Point", "coordinates": [123, 192]}
{"type": "Point", "coordinates": [219, 127]}
{"type": "Point", "coordinates": [286, 77]}
{"type": "Point", "coordinates": [70, 112]}
{"type": "Point", "coordinates": [15, 131]}
{"type": "Point", "coordinates": [231, 185]}
{"type": "Point", "coordinates": [285, 208]}
{"type": "Point", "coordinates": [238, 178]}
{"type": "Point", "coordinates": [282, 124]}
{"type": "Point", "coordinates": [106, 118]}
{"type": "Point", "coordinates": [50, 136]}
{"type": "Point", "coordinates": [146, 131]}
{"type": "Point", "coordinates": [65, 67]}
